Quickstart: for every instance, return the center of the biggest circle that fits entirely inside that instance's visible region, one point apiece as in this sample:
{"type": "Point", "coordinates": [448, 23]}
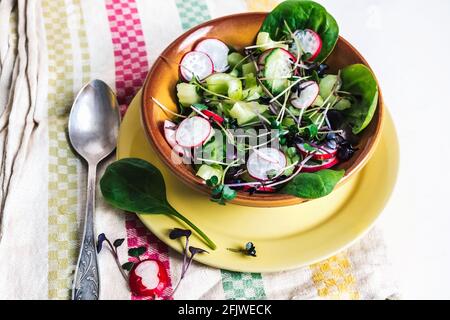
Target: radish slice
{"type": "Point", "coordinates": [213, 115]}
{"type": "Point", "coordinates": [308, 167]}
{"type": "Point", "coordinates": [217, 51]}
{"type": "Point", "coordinates": [308, 93]}
{"type": "Point", "coordinates": [195, 63]}
{"type": "Point", "coordinates": [179, 150]}
{"type": "Point", "coordinates": [324, 153]}
{"type": "Point", "coordinates": [310, 42]}
{"type": "Point", "coordinates": [263, 56]}
{"type": "Point", "coordinates": [169, 132]}
{"type": "Point", "coordinates": [264, 161]}
{"type": "Point", "coordinates": [148, 278]}
{"type": "Point", "coordinates": [192, 132]}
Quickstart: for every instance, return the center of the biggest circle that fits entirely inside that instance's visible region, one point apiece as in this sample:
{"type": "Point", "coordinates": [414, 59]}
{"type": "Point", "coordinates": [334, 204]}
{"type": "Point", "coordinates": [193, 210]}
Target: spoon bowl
{"type": "Point", "coordinates": [94, 121]}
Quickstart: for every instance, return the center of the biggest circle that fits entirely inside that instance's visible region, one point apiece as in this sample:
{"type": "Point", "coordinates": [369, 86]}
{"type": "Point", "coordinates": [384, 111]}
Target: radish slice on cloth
{"type": "Point", "coordinates": [308, 93]}
{"type": "Point", "coordinates": [169, 132]}
{"type": "Point", "coordinates": [308, 167]}
{"type": "Point", "coordinates": [217, 51]}
{"type": "Point", "coordinates": [323, 153]}
{"type": "Point", "coordinates": [148, 278]}
{"type": "Point", "coordinates": [264, 161]}
{"type": "Point", "coordinates": [192, 132]}
{"type": "Point", "coordinates": [310, 42]}
{"type": "Point", "coordinates": [197, 64]}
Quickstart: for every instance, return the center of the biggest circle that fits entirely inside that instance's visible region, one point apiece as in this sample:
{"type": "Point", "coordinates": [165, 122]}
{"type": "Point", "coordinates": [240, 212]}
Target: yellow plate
{"type": "Point", "coordinates": [285, 237]}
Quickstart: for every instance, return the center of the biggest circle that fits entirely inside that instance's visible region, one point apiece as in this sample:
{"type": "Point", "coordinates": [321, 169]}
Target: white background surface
{"type": "Point", "coordinates": [407, 43]}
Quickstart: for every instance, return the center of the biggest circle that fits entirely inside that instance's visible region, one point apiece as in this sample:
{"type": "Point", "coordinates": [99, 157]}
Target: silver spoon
{"type": "Point", "coordinates": [93, 129]}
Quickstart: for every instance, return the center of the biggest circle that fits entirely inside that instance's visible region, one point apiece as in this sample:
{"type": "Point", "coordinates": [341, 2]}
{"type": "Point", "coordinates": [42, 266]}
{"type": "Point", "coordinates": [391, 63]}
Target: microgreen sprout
{"type": "Point", "coordinates": [248, 250]}
{"type": "Point", "coordinates": [165, 109]}
{"type": "Point", "coordinates": [188, 252]}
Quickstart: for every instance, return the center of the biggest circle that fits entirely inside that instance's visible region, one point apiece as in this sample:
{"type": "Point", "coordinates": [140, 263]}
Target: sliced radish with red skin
{"type": "Point", "coordinates": [217, 51]}
{"type": "Point", "coordinates": [169, 132]}
{"type": "Point", "coordinates": [261, 189]}
{"type": "Point", "coordinates": [148, 278]}
{"type": "Point", "coordinates": [192, 132]}
{"type": "Point", "coordinates": [310, 42]}
{"type": "Point", "coordinates": [179, 150]}
{"type": "Point", "coordinates": [265, 160]}
{"type": "Point", "coordinates": [308, 93]}
{"type": "Point", "coordinates": [322, 153]}
{"type": "Point", "coordinates": [213, 115]}
{"type": "Point", "coordinates": [196, 63]}
{"type": "Point", "coordinates": [290, 55]}
{"type": "Point", "coordinates": [326, 164]}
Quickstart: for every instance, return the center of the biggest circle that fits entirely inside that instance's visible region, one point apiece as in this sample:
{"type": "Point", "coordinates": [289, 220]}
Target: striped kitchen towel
{"type": "Point", "coordinates": [48, 50]}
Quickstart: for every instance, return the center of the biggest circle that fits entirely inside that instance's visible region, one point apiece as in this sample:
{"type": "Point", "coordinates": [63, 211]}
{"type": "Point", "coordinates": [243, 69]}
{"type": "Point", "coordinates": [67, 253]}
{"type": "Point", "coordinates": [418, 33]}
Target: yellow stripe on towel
{"type": "Point", "coordinates": [261, 5]}
{"type": "Point", "coordinates": [333, 278]}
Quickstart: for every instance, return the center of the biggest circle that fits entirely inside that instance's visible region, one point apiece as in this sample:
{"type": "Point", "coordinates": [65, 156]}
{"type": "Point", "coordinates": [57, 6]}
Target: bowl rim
{"type": "Point", "coordinates": [243, 198]}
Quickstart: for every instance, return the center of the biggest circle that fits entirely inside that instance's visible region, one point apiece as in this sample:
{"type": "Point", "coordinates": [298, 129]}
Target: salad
{"type": "Point", "coordinates": [270, 118]}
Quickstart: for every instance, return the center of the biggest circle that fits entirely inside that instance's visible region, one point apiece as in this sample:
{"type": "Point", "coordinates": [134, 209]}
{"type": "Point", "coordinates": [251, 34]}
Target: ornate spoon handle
{"type": "Point", "coordinates": [87, 283]}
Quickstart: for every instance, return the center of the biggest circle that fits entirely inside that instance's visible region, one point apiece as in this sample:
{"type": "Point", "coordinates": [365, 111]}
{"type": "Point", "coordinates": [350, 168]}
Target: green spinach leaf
{"type": "Point", "coordinates": [135, 185]}
{"type": "Point", "coordinates": [359, 81]}
{"type": "Point", "coordinates": [300, 15]}
{"type": "Point", "coordinates": [314, 185]}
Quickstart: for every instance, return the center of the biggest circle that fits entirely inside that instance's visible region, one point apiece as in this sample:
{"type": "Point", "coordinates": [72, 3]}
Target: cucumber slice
{"type": "Point", "coordinates": [248, 68]}
{"type": "Point", "coordinates": [264, 42]}
{"type": "Point", "coordinates": [225, 84]}
{"type": "Point", "coordinates": [234, 58]}
{"type": "Point", "coordinates": [214, 150]}
{"type": "Point", "coordinates": [342, 104]}
{"type": "Point", "coordinates": [277, 69]}
{"type": "Point", "coordinates": [250, 81]}
{"type": "Point", "coordinates": [253, 93]}
{"type": "Point", "coordinates": [234, 72]}
{"type": "Point", "coordinates": [187, 94]}
{"type": "Point", "coordinates": [327, 84]}
{"type": "Point", "coordinates": [206, 172]}
{"type": "Point", "coordinates": [245, 112]}
{"type": "Point", "coordinates": [318, 102]}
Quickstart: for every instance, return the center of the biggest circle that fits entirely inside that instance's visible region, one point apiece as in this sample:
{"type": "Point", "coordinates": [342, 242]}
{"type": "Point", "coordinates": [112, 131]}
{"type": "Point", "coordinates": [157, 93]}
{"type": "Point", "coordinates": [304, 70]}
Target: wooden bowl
{"type": "Point", "coordinates": [237, 30]}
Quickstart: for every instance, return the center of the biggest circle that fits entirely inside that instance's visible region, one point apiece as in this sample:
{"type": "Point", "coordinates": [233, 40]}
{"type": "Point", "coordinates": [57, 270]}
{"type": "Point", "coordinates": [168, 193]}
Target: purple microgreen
{"type": "Point", "coordinates": [101, 238]}
{"type": "Point", "coordinates": [118, 242]}
{"type": "Point", "coordinates": [177, 233]}
{"type": "Point", "coordinates": [136, 252]}
{"type": "Point", "coordinates": [195, 250]}
{"type": "Point", "coordinates": [113, 249]}
{"type": "Point", "coordinates": [128, 266]}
